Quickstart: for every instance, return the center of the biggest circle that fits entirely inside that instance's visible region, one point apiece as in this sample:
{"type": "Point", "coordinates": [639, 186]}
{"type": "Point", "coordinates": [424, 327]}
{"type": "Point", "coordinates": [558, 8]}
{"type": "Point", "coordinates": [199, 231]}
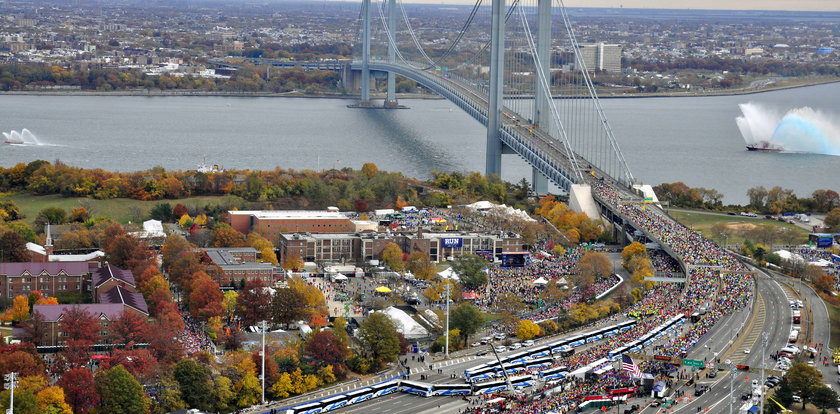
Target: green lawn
{"type": "Point", "coordinates": [121, 209]}
{"type": "Point", "coordinates": [834, 317]}
{"type": "Point", "coordinates": [739, 226]}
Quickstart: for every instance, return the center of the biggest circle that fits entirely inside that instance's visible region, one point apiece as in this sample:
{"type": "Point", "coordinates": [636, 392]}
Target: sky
{"type": "Point", "coordinates": [793, 5]}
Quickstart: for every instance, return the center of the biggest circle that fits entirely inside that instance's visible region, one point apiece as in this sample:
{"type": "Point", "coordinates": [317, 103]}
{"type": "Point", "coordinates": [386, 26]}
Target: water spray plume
{"type": "Point", "coordinates": [24, 137]}
{"type": "Point", "coordinates": [798, 130]}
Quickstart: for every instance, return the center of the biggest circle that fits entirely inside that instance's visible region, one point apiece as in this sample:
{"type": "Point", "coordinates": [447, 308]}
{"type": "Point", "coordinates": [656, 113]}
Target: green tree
{"type": "Point", "coordinates": [784, 393]}
{"type": "Point", "coordinates": [222, 394]}
{"type": "Point", "coordinates": [120, 393]}
{"type": "Point", "coordinates": [194, 383]}
{"type": "Point", "coordinates": [824, 397]}
{"type": "Point", "coordinates": [467, 319]}
{"type": "Point", "coordinates": [169, 398]}
{"type": "Point", "coordinates": [25, 401]}
{"type": "Point", "coordinates": [248, 391]}
{"type": "Point", "coordinates": [470, 269]}
{"type": "Point", "coordinates": [288, 305]}
{"type": "Point", "coordinates": [52, 215]}
{"type": "Point", "coordinates": [379, 339]}
{"type": "Point", "coordinates": [804, 380]}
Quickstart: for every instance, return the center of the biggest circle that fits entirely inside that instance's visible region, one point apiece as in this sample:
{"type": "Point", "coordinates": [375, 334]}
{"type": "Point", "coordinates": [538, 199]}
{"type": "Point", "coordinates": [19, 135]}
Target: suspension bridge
{"type": "Point", "coordinates": [521, 77]}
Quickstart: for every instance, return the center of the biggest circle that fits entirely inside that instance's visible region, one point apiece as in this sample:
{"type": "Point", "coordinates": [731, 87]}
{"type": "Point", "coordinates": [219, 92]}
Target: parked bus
{"type": "Point", "coordinates": [451, 389]}
{"type": "Point", "coordinates": [384, 388]}
{"type": "Point", "coordinates": [308, 408]}
{"type": "Point", "coordinates": [357, 396]}
{"type": "Point", "coordinates": [417, 388]}
{"type": "Point", "coordinates": [554, 373]}
{"type": "Point", "coordinates": [333, 403]}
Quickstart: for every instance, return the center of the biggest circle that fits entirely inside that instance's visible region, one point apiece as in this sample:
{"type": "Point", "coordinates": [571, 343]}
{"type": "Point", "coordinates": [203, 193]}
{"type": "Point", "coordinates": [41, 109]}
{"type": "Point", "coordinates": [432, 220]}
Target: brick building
{"type": "Point", "coordinates": [270, 223]}
{"type": "Point", "coordinates": [51, 278]}
{"type": "Point", "coordinates": [231, 265]}
{"type": "Point", "coordinates": [105, 313]}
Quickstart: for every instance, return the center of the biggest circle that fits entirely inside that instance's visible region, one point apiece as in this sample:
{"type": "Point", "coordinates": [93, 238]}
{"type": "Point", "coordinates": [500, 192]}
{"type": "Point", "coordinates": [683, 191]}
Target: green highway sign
{"type": "Point", "coordinates": [694, 363]}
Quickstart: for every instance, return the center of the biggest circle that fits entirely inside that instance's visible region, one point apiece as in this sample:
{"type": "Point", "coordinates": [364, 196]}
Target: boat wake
{"type": "Point", "coordinates": [797, 130]}
{"type": "Point", "coordinates": [24, 138]}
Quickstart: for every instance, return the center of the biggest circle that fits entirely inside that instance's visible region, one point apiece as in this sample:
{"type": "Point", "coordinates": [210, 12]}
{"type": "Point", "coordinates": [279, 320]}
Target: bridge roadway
{"type": "Point", "coordinates": [537, 148]}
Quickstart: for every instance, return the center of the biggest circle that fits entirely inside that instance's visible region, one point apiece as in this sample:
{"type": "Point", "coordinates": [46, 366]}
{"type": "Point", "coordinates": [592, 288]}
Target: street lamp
{"type": "Point", "coordinates": [263, 328]}
{"type": "Point", "coordinates": [11, 383]}
{"type": "Point", "coordinates": [731, 385]}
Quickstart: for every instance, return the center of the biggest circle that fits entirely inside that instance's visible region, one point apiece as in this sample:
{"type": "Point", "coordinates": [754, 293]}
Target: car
{"type": "Point", "coordinates": [700, 390]}
{"type": "Point", "coordinates": [500, 336]}
{"type": "Point", "coordinates": [486, 339]}
{"type": "Point", "coordinates": [481, 353]}
{"type": "Point", "coordinates": [746, 351]}
{"type": "Point", "coordinates": [515, 346]}
{"type": "Point", "coordinates": [754, 383]}
{"type": "Point", "coordinates": [500, 349]}
{"type": "Point", "coordinates": [796, 398]}
{"type": "Point", "coordinates": [745, 397]}
{"type": "Point", "coordinates": [528, 343]}
{"type": "Point", "coordinates": [713, 373]}
{"type": "Point", "coordinates": [730, 213]}
{"type": "Point", "coordinates": [474, 344]}
{"type": "Point", "coordinates": [799, 303]}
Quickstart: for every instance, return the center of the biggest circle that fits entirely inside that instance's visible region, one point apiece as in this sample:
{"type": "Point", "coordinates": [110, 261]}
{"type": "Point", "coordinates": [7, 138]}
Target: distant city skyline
{"type": "Point", "coordinates": [788, 5]}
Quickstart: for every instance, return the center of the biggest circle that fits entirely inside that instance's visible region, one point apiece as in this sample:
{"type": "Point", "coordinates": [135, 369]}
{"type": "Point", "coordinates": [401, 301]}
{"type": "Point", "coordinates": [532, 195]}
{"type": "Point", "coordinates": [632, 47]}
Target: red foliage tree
{"type": "Point", "coordinates": [22, 362]}
{"type": "Point", "coordinates": [139, 362]}
{"type": "Point", "coordinates": [272, 370]}
{"type": "Point", "coordinates": [254, 303]}
{"type": "Point", "coordinates": [126, 251]}
{"type": "Point", "coordinates": [34, 329]}
{"type": "Point", "coordinates": [325, 346]}
{"type": "Point", "coordinates": [164, 344]}
{"type": "Point", "coordinates": [169, 317]}
{"type": "Point", "coordinates": [179, 210]}
{"type": "Point", "coordinates": [130, 328]}
{"type": "Point", "coordinates": [79, 324]}
{"type": "Point", "coordinates": [205, 299]}
{"type": "Point", "coordinates": [76, 353]}
{"type": "Point", "coordinates": [79, 391]}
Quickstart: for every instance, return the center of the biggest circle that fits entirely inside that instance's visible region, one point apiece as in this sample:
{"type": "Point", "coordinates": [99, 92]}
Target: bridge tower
{"type": "Point", "coordinates": [542, 113]}
{"type": "Point", "coordinates": [364, 98]}
{"type": "Point", "coordinates": [493, 160]}
{"type": "Point", "coordinates": [364, 94]}
{"type": "Point", "coordinates": [391, 97]}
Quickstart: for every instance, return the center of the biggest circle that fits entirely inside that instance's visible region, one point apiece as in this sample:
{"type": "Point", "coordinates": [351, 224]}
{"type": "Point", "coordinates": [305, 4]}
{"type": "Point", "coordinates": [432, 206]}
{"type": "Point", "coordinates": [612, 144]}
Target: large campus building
{"type": "Point", "coordinates": [366, 246]}
{"type": "Point", "coordinates": [229, 266]}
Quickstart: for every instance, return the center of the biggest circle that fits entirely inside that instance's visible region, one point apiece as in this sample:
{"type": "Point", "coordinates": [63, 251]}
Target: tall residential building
{"type": "Point", "coordinates": [601, 57]}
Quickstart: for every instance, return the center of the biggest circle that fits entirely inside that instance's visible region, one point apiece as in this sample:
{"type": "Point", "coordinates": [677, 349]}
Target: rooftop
{"type": "Point", "coordinates": [53, 313]}
{"type": "Point", "coordinates": [289, 214]}
{"type": "Point", "coordinates": [122, 296]}
{"type": "Point", "coordinates": [108, 271]}
{"type": "Point", "coordinates": [37, 268]}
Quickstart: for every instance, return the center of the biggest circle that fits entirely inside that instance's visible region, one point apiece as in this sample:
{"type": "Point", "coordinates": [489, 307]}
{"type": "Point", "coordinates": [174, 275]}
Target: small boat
{"type": "Point", "coordinates": [764, 146]}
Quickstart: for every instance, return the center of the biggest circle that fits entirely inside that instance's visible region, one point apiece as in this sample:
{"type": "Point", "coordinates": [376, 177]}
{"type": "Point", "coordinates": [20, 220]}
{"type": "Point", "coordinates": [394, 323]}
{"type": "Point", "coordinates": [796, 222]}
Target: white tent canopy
{"type": "Point", "coordinates": [449, 274]}
{"type": "Point", "coordinates": [405, 324]}
{"type": "Point", "coordinates": [540, 281]}
{"type": "Point", "coordinates": [563, 281]}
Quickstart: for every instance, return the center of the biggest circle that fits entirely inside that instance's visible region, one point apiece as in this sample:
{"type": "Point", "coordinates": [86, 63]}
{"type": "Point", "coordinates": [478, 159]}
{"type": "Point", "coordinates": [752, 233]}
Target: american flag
{"type": "Point", "coordinates": [628, 366]}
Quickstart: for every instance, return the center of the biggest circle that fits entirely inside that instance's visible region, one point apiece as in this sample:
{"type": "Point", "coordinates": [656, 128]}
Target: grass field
{"type": "Point", "coordinates": [738, 225]}
{"type": "Point", "coordinates": [834, 317]}
{"type": "Point", "coordinates": [121, 209]}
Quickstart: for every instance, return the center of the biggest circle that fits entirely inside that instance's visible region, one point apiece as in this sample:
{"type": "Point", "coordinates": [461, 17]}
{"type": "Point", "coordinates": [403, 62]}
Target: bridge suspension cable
{"type": "Point", "coordinates": [594, 96]}
{"type": "Point", "coordinates": [564, 139]}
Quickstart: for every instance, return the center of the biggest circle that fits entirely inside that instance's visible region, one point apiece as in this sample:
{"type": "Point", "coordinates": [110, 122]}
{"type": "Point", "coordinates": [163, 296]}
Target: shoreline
{"type": "Point", "coordinates": [412, 96]}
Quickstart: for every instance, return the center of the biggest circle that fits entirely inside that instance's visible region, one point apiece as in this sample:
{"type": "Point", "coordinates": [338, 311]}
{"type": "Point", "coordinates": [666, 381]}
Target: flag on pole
{"type": "Point", "coordinates": [628, 366]}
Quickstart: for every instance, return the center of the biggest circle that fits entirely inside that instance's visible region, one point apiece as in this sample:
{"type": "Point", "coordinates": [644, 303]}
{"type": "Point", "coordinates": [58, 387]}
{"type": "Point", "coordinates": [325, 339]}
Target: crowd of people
{"type": "Point", "coordinates": [193, 338]}
{"type": "Point", "coordinates": [717, 284]}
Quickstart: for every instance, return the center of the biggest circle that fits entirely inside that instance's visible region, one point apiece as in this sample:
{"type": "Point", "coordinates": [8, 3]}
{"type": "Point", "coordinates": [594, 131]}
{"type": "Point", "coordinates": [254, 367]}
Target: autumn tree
{"type": "Point", "coordinates": [292, 261]}
{"type": "Point", "coordinates": [832, 221]}
{"type": "Point", "coordinates": [326, 347]}
{"type": "Point", "coordinates": [126, 251]}
{"type": "Point", "coordinates": [392, 256]}
{"type": "Point", "coordinates": [804, 380]}
{"type": "Point", "coordinates": [527, 329]}
{"type": "Point", "coordinates": [288, 306]}
{"type": "Point", "coordinates": [369, 170]}
{"type": "Point", "coordinates": [632, 250]}
{"type": "Point", "coordinates": [19, 310]}
{"type": "Point", "coordinates": [79, 324]}
{"type": "Point", "coordinates": [51, 400]}
{"type": "Point", "coordinates": [128, 328]}
{"type": "Point", "coordinates": [119, 392]}
{"type": "Point", "coordinates": [226, 236]}
{"type": "Point", "coordinates": [254, 303]}
{"type": "Point", "coordinates": [420, 265]}
{"type": "Point", "coordinates": [13, 247]}
{"type": "Point", "coordinates": [592, 266]}
{"type": "Point", "coordinates": [205, 297]}
{"type": "Point", "coordinates": [173, 246]}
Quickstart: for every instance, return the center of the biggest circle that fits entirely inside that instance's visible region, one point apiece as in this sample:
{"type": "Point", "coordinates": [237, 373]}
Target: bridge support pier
{"type": "Point", "coordinates": [493, 160]}
{"type": "Point", "coordinates": [364, 97]}
{"type": "Point", "coordinates": [391, 97]}
{"type": "Point", "coordinates": [539, 182]}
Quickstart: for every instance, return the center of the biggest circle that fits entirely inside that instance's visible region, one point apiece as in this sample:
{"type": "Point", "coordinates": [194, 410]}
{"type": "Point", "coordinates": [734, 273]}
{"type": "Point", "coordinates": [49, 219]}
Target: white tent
{"type": "Point", "coordinates": [405, 324]}
{"type": "Point", "coordinates": [540, 281]}
{"type": "Point", "coordinates": [821, 263]}
{"type": "Point", "coordinates": [786, 255]}
{"type": "Point", "coordinates": [338, 277]}
{"type": "Point", "coordinates": [449, 274]}
{"type": "Point", "coordinates": [563, 281]}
